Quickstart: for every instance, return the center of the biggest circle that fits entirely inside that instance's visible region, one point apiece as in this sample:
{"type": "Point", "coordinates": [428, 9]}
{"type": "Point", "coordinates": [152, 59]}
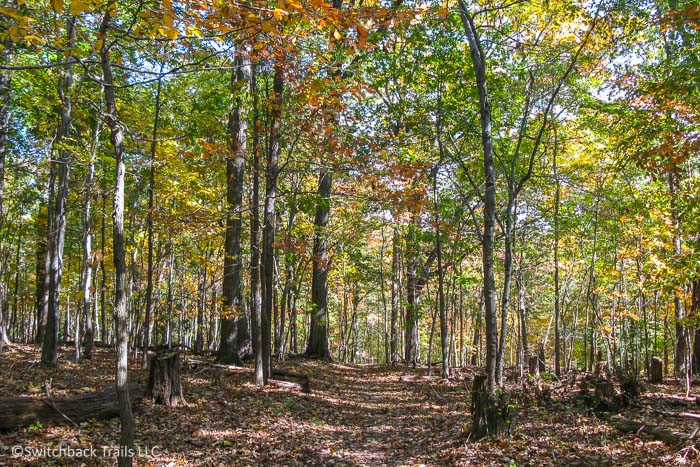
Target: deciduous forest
{"type": "Point", "coordinates": [358, 232]}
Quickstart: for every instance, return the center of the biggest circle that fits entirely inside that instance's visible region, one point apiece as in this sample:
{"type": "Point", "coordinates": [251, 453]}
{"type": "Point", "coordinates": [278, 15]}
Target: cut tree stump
{"type": "Point", "coordinates": [164, 385]}
{"type": "Point", "coordinates": [533, 365]}
{"type": "Point", "coordinates": [491, 415]}
{"type": "Point", "coordinates": [17, 412]}
{"type": "Point", "coordinates": [656, 371]}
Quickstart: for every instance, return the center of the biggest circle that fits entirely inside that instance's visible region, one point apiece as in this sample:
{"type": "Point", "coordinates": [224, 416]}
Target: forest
{"type": "Point", "coordinates": [436, 232]}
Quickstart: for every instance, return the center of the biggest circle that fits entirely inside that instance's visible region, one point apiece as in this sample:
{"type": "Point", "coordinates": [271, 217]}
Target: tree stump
{"type": "Point", "coordinates": [164, 385]}
{"type": "Point", "coordinates": [656, 372]}
{"type": "Point", "coordinates": [604, 390]}
{"type": "Point", "coordinates": [533, 365]}
{"type": "Point", "coordinates": [492, 415]}
{"type": "Point", "coordinates": [631, 388]}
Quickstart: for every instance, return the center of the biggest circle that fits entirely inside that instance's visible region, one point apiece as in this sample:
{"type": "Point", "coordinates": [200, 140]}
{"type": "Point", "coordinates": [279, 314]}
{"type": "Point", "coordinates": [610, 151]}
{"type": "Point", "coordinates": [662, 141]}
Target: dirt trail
{"type": "Point", "coordinates": [355, 415]}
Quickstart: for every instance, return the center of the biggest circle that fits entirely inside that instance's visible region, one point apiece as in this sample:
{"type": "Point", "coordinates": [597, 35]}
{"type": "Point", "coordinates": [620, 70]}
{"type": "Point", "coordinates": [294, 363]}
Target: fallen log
{"type": "Point", "coordinates": [17, 412]}
{"type": "Point", "coordinates": [418, 378]}
{"type": "Point", "coordinates": [295, 380]}
{"type": "Point", "coordinates": [193, 362]}
{"type": "Point", "coordinates": [631, 426]}
{"type": "Point", "coordinates": [287, 385]}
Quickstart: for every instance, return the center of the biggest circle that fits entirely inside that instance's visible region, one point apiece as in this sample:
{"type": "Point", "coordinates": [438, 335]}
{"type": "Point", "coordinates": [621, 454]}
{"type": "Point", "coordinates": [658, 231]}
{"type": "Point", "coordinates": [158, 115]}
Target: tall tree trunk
{"type": "Point", "coordinates": [694, 310]}
{"type": "Point", "coordinates": [288, 283]}
{"type": "Point", "coordinates": [395, 298]}
{"type": "Point", "coordinates": [6, 56]}
{"type": "Point", "coordinates": [441, 279]}
{"type": "Point", "coordinates": [507, 280]}
{"type": "Point", "coordinates": [149, 225]}
{"type": "Point", "coordinates": [487, 241]}
{"type": "Point", "coordinates": [233, 310]}
{"type": "Point", "coordinates": [40, 275]}
{"type": "Point", "coordinates": [268, 254]}
{"type": "Point", "coordinates": [106, 336]}
{"type": "Point", "coordinates": [382, 282]}
{"type": "Point", "coordinates": [49, 349]}
{"type": "Point", "coordinates": [412, 331]}
{"type": "Point", "coordinates": [169, 298]}
{"type": "Point", "coordinates": [90, 260]}
{"type": "Point", "coordinates": [255, 265]}
{"type": "Point", "coordinates": [318, 332]}
{"type": "Point", "coordinates": [679, 355]}
{"type": "Point", "coordinates": [201, 304]}
{"type": "Point", "coordinates": [126, 416]}
{"type": "Point", "coordinates": [557, 301]}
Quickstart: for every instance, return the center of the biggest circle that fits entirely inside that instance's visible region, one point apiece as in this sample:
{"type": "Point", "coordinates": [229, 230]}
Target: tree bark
{"type": "Point", "coordinates": [49, 349]}
{"type": "Point", "coordinates": [487, 241]}
{"type": "Point", "coordinates": [318, 332]}
{"type": "Point", "coordinates": [680, 351]}
{"type": "Point", "coordinates": [268, 255]}
{"type": "Point", "coordinates": [557, 301]}
{"type": "Point", "coordinates": [412, 331]}
{"type": "Point", "coordinates": [90, 260]}
{"type": "Point", "coordinates": [233, 310]}
{"type": "Point", "coordinates": [6, 56]}
{"type": "Point", "coordinates": [255, 265]}
{"type": "Point", "coordinates": [164, 385]}
{"type": "Point", "coordinates": [149, 226]}
{"type": "Point", "coordinates": [395, 297]}
{"type": "Point", "coordinates": [126, 416]}
{"type": "Point", "coordinates": [441, 279]}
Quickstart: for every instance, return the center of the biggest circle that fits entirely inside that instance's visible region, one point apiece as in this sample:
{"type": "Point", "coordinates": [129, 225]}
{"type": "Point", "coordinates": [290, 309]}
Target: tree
{"type": "Point", "coordinates": [234, 326]}
{"type": "Point", "coordinates": [49, 351]}
{"type": "Point", "coordinates": [126, 416]}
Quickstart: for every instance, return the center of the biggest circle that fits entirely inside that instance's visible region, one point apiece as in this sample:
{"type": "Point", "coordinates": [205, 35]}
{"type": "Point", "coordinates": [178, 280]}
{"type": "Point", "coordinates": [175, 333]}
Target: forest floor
{"type": "Point", "coordinates": [354, 415]}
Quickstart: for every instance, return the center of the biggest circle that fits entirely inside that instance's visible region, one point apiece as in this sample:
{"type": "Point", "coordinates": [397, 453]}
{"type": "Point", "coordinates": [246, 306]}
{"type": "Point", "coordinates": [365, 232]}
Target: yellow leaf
{"type": "Point", "coordinates": [36, 39]}
{"type": "Point", "coordinates": [98, 44]}
{"type": "Point", "coordinates": [337, 35]}
{"type": "Point", "coordinates": [78, 6]}
{"type": "Point", "coordinates": [9, 12]}
{"type": "Point", "coordinates": [279, 14]}
{"type": "Point", "coordinates": [57, 5]}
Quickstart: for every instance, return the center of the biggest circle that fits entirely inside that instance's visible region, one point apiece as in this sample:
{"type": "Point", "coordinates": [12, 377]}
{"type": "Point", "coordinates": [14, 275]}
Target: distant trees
{"type": "Point", "coordinates": [367, 184]}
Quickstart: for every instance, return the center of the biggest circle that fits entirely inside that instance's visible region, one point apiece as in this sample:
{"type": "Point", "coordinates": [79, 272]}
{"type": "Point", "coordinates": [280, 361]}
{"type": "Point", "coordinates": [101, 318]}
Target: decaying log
{"type": "Point", "coordinates": [631, 426]}
{"type": "Point", "coordinates": [300, 386]}
{"type": "Point", "coordinates": [195, 363]}
{"type": "Point", "coordinates": [290, 379]}
{"type": "Point", "coordinates": [418, 378]}
{"type": "Point", "coordinates": [17, 412]}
